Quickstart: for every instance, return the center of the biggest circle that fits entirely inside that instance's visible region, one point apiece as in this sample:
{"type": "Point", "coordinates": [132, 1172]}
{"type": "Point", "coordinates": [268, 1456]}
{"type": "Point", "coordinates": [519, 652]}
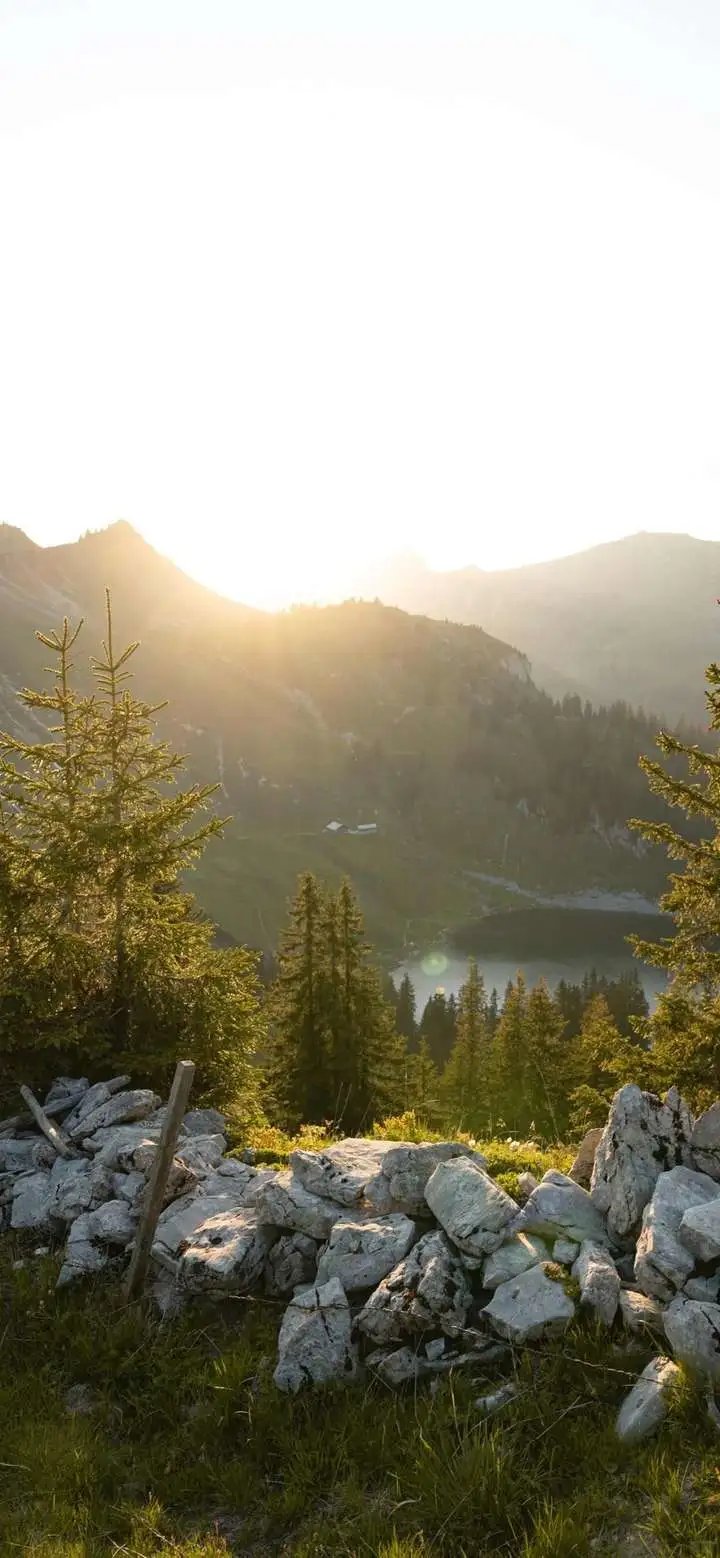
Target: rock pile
{"type": "Point", "coordinates": [405, 1260]}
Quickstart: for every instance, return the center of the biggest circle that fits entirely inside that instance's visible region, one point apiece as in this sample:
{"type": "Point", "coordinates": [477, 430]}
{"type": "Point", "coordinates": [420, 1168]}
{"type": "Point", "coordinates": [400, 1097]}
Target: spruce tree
{"type": "Point", "coordinates": [438, 1025]}
{"type": "Point", "coordinates": [111, 963]}
{"type": "Point", "coordinates": [545, 1069]}
{"type": "Point", "coordinates": [405, 1009]}
{"type": "Point", "coordinates": [299, 1083]}
{"type": "Point", "coordinates": [466, 1079]}
{"type": "Point", "coordinates": [423, 1089]}
{"type": "Point", "coordinates": [597, 1063]}
{"type": "Point", "coordinates": [368, 1054]}
{"type": "Point", "coordinates": [508, 1055]}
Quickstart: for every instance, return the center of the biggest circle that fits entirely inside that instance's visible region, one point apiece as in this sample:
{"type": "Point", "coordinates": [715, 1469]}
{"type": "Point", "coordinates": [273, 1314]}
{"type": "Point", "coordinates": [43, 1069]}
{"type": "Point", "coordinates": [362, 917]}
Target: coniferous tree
{"type": "Point", "coordinates": [422, 1089]}
{"type": "Point", "coordinates": [597, 1061]}
{"type": "Point", "coordinates": [299, 1082]}
{"type": "Point", "coordinates": [438, 1026]}
{"type": "Point", "coordinates": [466, 1079]}
{"type": "Point", "coordinates": [109, 961]}
{"type": "Point", "coordinates": [368, 1068]}
{"type": "Point", "coordinates": [508, 1054]}
{"type": "Point", "coordinates": [545, 1071]}
{"type": "Point", "coordinates": [405, 1009]}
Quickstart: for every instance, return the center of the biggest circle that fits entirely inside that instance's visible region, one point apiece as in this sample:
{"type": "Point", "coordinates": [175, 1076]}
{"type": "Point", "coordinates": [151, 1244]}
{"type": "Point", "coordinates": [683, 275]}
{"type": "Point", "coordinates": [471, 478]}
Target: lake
{"type": "Point", "coordinates": [447, 971]}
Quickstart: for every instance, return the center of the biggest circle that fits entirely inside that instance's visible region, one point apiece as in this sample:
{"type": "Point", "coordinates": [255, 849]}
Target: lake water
{"type": "Point", "coordinates": [439, 971]}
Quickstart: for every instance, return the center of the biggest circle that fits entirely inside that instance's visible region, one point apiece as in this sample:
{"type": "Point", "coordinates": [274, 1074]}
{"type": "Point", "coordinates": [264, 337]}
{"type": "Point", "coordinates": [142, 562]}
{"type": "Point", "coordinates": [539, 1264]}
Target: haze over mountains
{"type": "Point", "coordinates": [597, 623]}
{"type": "Point", "coordinates": [353, 713]}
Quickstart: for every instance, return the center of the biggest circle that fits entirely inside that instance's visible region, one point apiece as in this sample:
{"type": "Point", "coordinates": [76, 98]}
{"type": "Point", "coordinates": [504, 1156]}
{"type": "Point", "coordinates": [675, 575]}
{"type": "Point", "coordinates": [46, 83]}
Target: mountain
{"type": "Point", "coordinates": [359, 714]}
{"type": "Point", "coordinates": [635, 619]}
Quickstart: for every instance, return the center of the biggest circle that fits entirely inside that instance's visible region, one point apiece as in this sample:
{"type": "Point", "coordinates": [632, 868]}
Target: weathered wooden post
{"type": "Point", "coordinates": [177, 1104]}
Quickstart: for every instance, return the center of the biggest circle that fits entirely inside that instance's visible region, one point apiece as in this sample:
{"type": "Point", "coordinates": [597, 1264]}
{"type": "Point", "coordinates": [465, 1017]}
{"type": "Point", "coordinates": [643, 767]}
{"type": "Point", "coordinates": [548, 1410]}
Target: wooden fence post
{"type": "Point", "coordinates": [177, 1104]}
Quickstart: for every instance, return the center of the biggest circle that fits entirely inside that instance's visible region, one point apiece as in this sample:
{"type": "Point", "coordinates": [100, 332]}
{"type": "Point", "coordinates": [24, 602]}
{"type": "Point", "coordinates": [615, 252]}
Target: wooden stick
{"type": "Point", "coordinates": [177, 1104]}
{"type": "Point", "coordinates": [60, 1106]}
{"type": "Point", "coordinates": [55, 1136]}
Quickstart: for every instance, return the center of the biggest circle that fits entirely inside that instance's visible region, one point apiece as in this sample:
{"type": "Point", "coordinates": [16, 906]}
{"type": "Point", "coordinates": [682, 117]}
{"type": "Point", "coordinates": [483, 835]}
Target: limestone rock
{"type": "Point", "coordinates": [228, 1251]}
{"type": "Point", "coordinates": [180, 1222]}
{"type": "Point", "coordinates": [92, 1098]}
{"type": "Point", "coordinates": [705, 1142]}
{"type": "Point", "coordinates": [643, 1138]}
{"type": "Point", "coordinates": [128, 1187]}
{"type": "Point", "coordinates": [646, 1407]}
{"type": "Point", "coordinates": [488, 1405]}
{"type": "Point", "coordinates": [77, 1186]}
{"type": "Point", "coordinates": [113, 1223]}
{"type": "Point", "coordinates": [693, 1331]}
{"type": "Point", "coordinates": [596, 1273]}
{"type": "Point", "coordinates": [561, 1209]}
{"type": "Point", "coordinates": [119, 1109]}
{"type": "Point", "coordinates": [584, 1162]}
{"type": "Point", "coordinates": [700, 1230]}
{"type": "Point", "coordinates": [404, 1365]}
{"type": "Point", "coordinates": [31, 1205]}
{"type": "Point", "coordinates": [473, 1210]}
{"type": "Point", "coordinates": [361, 1252]}
{"type": "Point", "coordinates": [342, 1171]}
{"type": "Point", "coordinates": [66, 1090]}
{"type": "Point", "coordinates": [526, 1183]}
{"type": "Point", "coordinates": [706, 1289]}
{"type": "Point", "coordinates": [406, 1170]}
{"type": "Point", "coordinates": [518, 1254]}
{"type": "Point", "coordinates": [662, 1262]}
{"type": "Point", "coordinates": [201, 1153]}
{"type": "Point", "coordinates": [117, 1146]}
{"type": "Point", "coordinates": [427, 1291]}
{"type": "Point", "coordinates": [565, 1251]}
{"type": "Point", "coordinates": [640, 1313]}
{"type": "Point", "coordinates": [16, 1157]}
{"type": "Point", "coordinates": [530, 1306]}
{"type": "Point", "coordinates": [204, 1122]}
{"type": "Point", "coordinates": [314, 1345]}
{"type": "Point", "coordinates": [291, 1263]}
{"type": "Point", "coordinates": [83, 1258]}
{"type": "Point", "coordinates": [284, 1202]}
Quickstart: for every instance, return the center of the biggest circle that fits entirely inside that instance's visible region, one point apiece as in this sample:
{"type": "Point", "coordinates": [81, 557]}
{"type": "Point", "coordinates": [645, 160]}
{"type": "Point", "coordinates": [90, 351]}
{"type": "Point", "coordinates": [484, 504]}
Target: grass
{"type": "Point", "coordinates": [190, 1451]}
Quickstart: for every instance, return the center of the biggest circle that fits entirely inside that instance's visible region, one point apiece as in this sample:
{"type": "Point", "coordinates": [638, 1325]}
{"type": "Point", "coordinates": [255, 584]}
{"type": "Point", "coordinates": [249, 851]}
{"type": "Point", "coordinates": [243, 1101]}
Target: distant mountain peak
{"type": "Point", "coordinates": [13, 539]}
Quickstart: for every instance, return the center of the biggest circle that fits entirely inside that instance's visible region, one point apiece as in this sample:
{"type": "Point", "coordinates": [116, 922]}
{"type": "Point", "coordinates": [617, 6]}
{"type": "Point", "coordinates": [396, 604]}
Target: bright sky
{"type": "Point", "coordinates": [296, 282]}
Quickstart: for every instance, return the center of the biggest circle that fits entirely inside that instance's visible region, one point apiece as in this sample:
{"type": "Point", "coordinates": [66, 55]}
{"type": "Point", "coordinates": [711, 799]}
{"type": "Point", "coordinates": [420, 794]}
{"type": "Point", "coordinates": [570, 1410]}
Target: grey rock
{"type": "Point", "coordinates": [640, 1313]}
{"type": "Point", "coordinates": [128, 1187]}
{"type": "Point", "coordinates": [113, 1223]}
{"type": "Point", "coordinates": [119, 1109]}
{"type": "Point", "coordinates": [360, 1253]}
{"type": "Point", "coordinates": [291, 1263]}
{"type": "Point", "coordinates": [202, 1153]}
{"type": "Point", "coordinates": [426, 1291]}
{"type": "Point", "coordinates": [584, 1161]}
{"type": "Point", "coordinates": [284, 1202]}
{"type": "Point", "coordinates": [526, 1183]}
{"type": "Point", "coordinates": [470, 1207]}
{"type": "Point", "coordinates": [83, 1258]}
{"type": "Point", "coordinates": [228, 1251]}
{"type": "Point", "coordinates": [705, 1289]}
{"type": "Point", "coordinates": [643, 1411]}
{"type": "Point", "coordinates": [705, 1142]}
{"type": "Point", "coordinates": [342, 1171]}
{"type": "Point", "coordinates": [662, 1262]}
{"type": "Point", "coordinates": [530, 1306]}
{"type": "Point", "coordinates": [700, 1229]}
{"type": "Point", "coordinates": [168, 1298]}
{"type": "Point", "coordinates": [403, 1366]}
{"type": "Point", "coordinates": [204, 1122]}
{"type": "Point", "coordinates": [314, 1345]}
{"type": "Point", "coordinates": [597, 1276]}
{"type": "Point", "coordinates": [406, 1171]}
{"type": "Point", "coordinates": [643, 1138]}
{"type": "Point", "coordinates": [518, 1254]}
{"type": "Point", "coordinates": [77, 1186]}
{"type": "Point", "coordinates": [488, 1405]}
{"type": "Point", "coordinates": [560, 1209]}
{"type": "Point", "coordinates": [66, 1090]}
{"type": "Point", "coordinates": [692, 1328]}
{"type": "Point", "coordinates": [565, 1251]}
{"type": "Point", "coordinates": [179, 1224]}
{"type": "Point", "coordinates": [90, 1099]}
{"type": "Point", "coordinates": [16, 1156]}
{"type": "Point", "coordinates": [117, 1146]}
{"type": "Point", "coordinates": [31, 1206]}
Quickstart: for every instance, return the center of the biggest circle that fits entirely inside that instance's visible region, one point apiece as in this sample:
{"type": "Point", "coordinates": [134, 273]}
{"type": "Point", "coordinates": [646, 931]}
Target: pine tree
{"type": "Point", "coordinates": [405, 1009]}
{"type": "Point", "coordinates": [299, 1082]}
{"type": "Point", "coordinates": [508, 1055]}
{"type": "Point", "coordinates": [422, 1091]}
{"type": "Point", "coordinates": [597, 1063]}
{"type": "Point", "coordinates": [466, 1079]}
{"type": "Point", "coordinates": [111, 962]}
{"type": "Point", "coordinates": [545, 1070]}
{"type": "Point", "coordinates": [368, 1054]}
{"type": "Point", "coordinates": [438, 1026]}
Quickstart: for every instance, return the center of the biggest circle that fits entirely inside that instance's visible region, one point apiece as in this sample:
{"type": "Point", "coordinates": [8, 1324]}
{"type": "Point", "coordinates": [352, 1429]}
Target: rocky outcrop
{"type": "Point", "coordinates": [584, 1161]}
{"type": "Point", "coordinates": [705, 1142]}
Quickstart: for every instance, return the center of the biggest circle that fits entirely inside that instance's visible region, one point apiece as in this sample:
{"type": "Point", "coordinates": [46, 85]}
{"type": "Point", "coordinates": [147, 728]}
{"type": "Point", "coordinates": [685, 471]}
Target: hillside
{"type": "Point", "coordinates": [598, 624]}
{"type": "Point", "coordinates": [355, 713]}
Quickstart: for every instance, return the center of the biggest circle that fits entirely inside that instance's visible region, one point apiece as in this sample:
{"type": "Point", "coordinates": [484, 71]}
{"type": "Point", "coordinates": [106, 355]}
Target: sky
{"type": "Point", "coordinates": [297, 283]}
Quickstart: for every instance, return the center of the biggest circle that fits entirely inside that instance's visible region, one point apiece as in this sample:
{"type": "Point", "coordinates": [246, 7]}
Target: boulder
{"type": "Point", "coordinates": [314, 1345]}
{"type": "Point", "coordinates": [178, 1225]}
{"type": "Point", "coordinates": [362, 1251]}
{"type": "Point", "coordinates": [113, 1223]}
{"type": "Point", "coordinates": [128, 1187]}
{"type": "Point", "coordinates": [204, 1122]}
{"type": "Point", "coordinates": [77, 1186]}
{"type": "Point", "coordinates": [662, 1262]}
{"type": "Point", "coordinates": [291, 1263]}
{"type": "Point", "coordinates": [472, 1209]}
{"type": "Point", "coordinates": [640, 1313]}
{"type": "Point", "coordinates": [31, 1204]}
{"type": "Point", "coordinates": [92, 1098]}
{"type": "Point", "coordinates": [643, 1138]}
{"type": "Point", "coordinates": [66, 1090]}
{"type": "Point", "coordinates": [705, 1142]}
{"type": "Point", "coordinates": [532, 1305]}
{"type": "Point", "coordinates": [646, 1407]}
{"type": "Point", "coordinates": [83, 1258]}
{"type": "Point", "coordinates": [707, 1289]}
{"type": "Point", "coordinates": [584, 1161]}
{"type": "Point", "coordinates": [692, 1328]}
{"type": "Point", "coordinates": [561, 1209]}
{"type": "Point", "coordinates": [427, 1291]}
{"type": "Point", "coordinates": [406, 1170]}
{"type": "Point", "coordinates": [119, 1109]}
{"type": "Point", "coordinates": [700, 1229]}
{"type": "Point", "coordinates": [342, 1171]}
{"type": "Point", "coordinates": [17, 1157]}
{"type": "Point", "coordinates": [565, 1251]}
{"type": "Point", "coordinates": [598, 1280]}
{"type": "Point", "coordinates": [118, 1145]}
{"type": "Point", "coordinates": [228, 1251]}
{"type": "Point", "coordinates": [518, 1254]}
{"type": "Point", "coordinates": [284, 1202]}
{"type": "Point", "coordinates": [526, 1183]}
{"type": "Point", "coordinates": [201, 1153]}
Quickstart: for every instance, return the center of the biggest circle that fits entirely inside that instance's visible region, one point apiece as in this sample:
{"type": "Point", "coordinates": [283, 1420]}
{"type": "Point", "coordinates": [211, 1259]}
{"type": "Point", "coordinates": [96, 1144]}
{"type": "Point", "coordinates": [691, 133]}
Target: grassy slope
{"type": "Point", "coordinates": [191, 1451]}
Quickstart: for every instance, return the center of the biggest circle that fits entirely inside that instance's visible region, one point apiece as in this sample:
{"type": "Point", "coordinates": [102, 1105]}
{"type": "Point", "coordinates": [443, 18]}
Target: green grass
{"type": "Point", "coordinates": [191, 1452]}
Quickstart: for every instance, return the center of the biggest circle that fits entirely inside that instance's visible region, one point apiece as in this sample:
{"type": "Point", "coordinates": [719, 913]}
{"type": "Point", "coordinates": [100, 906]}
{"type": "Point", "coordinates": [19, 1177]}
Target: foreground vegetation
{"type": "Point", "coordinates": [189, 1450]}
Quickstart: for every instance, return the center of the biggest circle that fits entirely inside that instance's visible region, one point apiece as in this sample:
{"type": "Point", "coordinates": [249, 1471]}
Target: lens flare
{"type": "Point", "coordinates": [434, 964]}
